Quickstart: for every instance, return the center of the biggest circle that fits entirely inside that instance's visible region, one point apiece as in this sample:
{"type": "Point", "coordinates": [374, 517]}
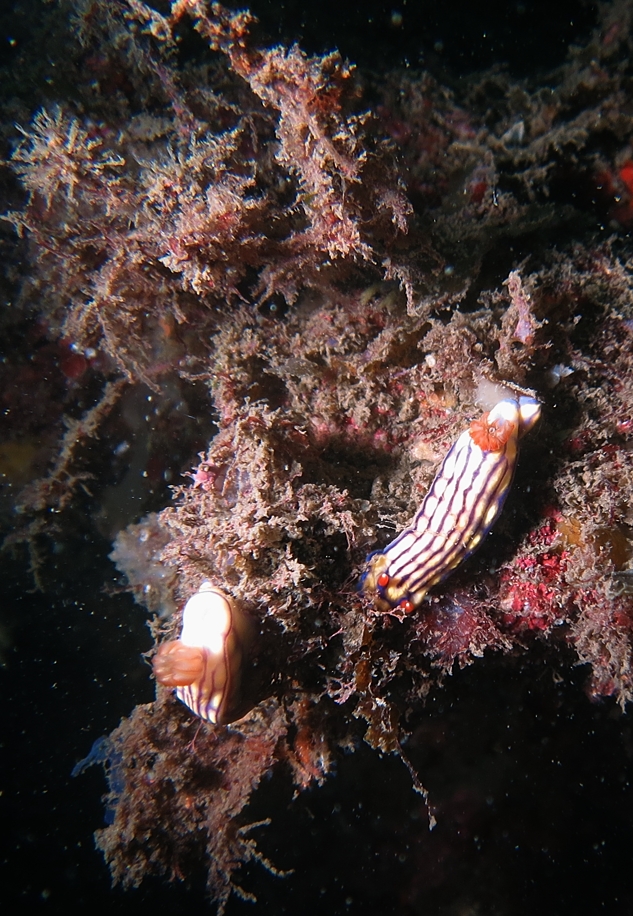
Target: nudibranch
{"type": "Point", "coordinates": [464, 501]}
{"type": "Point", "coordinates": [204, 663]}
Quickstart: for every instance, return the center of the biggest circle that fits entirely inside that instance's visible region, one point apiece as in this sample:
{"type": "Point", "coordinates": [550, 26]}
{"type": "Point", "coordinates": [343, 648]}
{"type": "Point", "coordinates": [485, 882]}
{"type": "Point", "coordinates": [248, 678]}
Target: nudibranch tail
{"type": "Point", "coordinates": [462, 504]}
{"type": "Point", "coordinates": [204, 663]}
{"type": "Point", "coordinates": [529, 414]}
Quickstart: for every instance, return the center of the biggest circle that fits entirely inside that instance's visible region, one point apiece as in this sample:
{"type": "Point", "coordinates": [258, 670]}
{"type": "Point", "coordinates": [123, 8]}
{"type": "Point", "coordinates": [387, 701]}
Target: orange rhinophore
{"type": "Point", "coordinates": [490, 435]}
{"type": "Point", "coordinates": [178, 665]}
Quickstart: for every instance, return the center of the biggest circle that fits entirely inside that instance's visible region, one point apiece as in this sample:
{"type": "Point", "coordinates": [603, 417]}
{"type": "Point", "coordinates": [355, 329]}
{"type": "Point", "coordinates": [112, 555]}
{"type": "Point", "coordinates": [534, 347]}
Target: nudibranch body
{"type": "Point", "coordinates": [204, 663]}
{"type": "Point", "coordinates": [465, 499]}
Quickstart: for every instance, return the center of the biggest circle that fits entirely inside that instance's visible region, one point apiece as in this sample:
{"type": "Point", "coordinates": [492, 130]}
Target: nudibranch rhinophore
{"type": "Point", "coordinates": [465, 499]}
{"type": "Point", "coordinates": [204, 663]}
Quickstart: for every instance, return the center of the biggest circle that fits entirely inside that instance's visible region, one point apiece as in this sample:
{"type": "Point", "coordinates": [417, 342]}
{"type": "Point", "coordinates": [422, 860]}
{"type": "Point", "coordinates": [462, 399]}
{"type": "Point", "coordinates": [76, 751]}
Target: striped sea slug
{"type": "Point", "coordinates": [463, 502]}
{"type": "Point", "coordinates": [204, 663]}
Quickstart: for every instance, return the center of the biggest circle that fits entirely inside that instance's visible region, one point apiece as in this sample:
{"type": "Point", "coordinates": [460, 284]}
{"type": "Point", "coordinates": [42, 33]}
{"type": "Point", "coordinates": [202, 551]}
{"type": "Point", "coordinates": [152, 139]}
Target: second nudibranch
{"type": "Point", "coordinates": [464, 501]}
{"type": "Point", "coordinates": [204, 663]}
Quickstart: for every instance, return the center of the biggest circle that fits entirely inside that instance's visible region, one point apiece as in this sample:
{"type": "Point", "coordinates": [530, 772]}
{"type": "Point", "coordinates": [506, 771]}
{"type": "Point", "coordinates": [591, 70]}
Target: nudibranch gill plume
{"type": "Point", "coordinates": [462, 504]}
{"type": "Point", "coordinates": [204, 663]}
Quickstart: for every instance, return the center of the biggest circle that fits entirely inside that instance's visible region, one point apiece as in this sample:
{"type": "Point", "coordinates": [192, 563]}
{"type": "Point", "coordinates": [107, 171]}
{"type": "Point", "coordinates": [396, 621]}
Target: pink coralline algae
{"type": "Point", "coordinates": [237, 233]}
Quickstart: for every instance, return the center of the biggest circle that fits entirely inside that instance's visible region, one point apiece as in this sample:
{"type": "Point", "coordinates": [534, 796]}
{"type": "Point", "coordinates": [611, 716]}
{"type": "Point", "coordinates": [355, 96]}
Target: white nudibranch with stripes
{"type": "Point", "coordinates": [204, 663]}
{"type": "Point", "coordinates": [462, 504]}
